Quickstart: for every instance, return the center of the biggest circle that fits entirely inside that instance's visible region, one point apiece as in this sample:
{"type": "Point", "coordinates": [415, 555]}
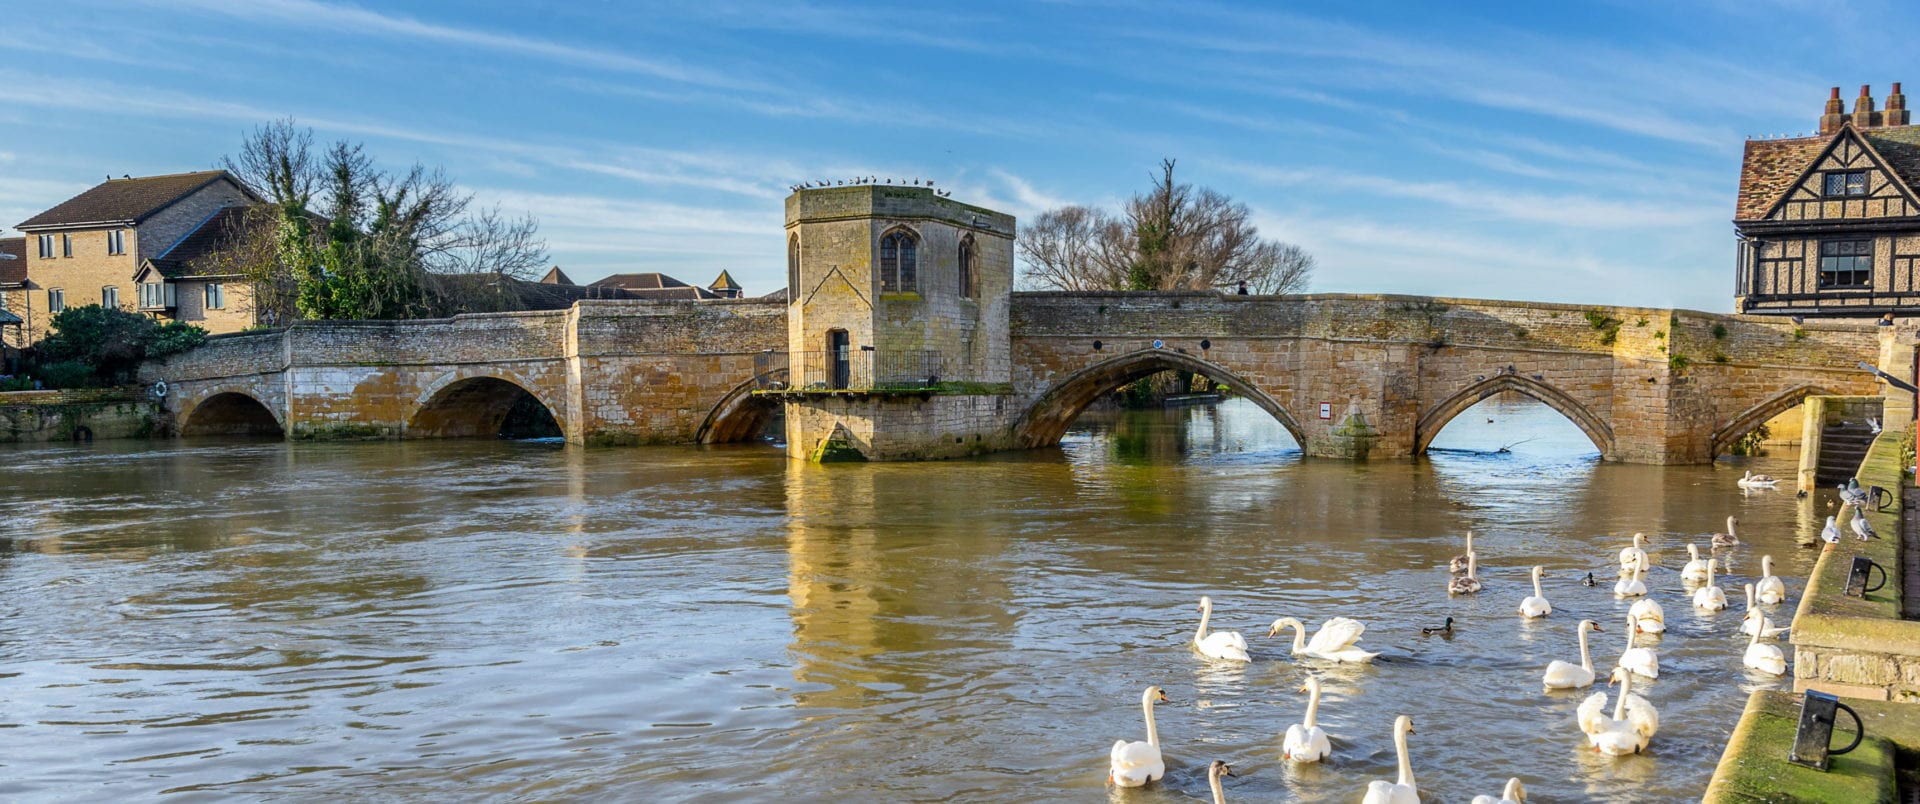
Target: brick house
{"type": "Point", "coordinates": [135, 244]}
{"type": "Point", "coordinates": [1829, 224]}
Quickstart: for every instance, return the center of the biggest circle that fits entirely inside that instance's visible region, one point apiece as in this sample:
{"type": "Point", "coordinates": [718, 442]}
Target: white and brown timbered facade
{"type": "Point", "coordinates": [1829, 225]}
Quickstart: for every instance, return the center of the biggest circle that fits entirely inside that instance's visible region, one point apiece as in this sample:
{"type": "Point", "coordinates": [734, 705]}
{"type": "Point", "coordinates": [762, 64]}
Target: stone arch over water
{"type": "Point", "coordinates": [1049, 417]}
{"type": "Point", "coordinates": [740, 416]}
{"type": "Point", "coordinates": [1596, 429]}
{"type": "Point", "coordinates": [1744, 423]}
{"type": "Point", "coordinates": [482, 406]}
{"type": "Point", "coordinates": [231, 413]}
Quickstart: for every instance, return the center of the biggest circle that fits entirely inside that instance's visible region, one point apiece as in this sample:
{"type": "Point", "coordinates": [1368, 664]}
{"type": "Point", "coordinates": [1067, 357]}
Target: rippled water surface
{"type": "Point", "coordinates": [465, 621]}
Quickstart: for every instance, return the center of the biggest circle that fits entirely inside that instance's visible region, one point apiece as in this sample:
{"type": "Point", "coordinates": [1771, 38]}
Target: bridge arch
{"type": "Point", "coordinates": [1047, 420]}
{"type": "Point", "coordinates": [1724, 437]}
{"type": "Point", "coordinates": [740, 415]}
{"type": "Point", "coordinates": [1596, 429]}
{"type": "Point", "coordinates": [228, 410]}
{"type": "Point", "coordinates": [476, 405]}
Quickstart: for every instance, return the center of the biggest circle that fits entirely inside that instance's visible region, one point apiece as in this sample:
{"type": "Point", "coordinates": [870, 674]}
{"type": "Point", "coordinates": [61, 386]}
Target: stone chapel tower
{"type": "Point", "coordinates": [897, 324]}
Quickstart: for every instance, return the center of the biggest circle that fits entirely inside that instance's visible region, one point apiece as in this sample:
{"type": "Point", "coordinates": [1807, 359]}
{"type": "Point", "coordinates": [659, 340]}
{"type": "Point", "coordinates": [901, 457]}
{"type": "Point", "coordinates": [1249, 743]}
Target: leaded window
{"type": "Point", "coordinates": [1845, 183]}
{"type": "Point", "coordinates": [1846, 263]}
{"type": "Point", "coordinates": [899, 262]}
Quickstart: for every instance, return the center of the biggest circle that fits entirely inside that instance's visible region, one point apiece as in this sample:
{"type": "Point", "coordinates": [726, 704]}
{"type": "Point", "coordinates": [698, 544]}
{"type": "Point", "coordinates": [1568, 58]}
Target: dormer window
{"type": "Point", "coordinates": [1844, 183]}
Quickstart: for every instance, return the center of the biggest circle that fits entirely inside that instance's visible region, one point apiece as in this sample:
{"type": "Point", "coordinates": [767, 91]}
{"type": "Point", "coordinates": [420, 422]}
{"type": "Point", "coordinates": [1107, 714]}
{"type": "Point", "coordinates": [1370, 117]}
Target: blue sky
{"type": "Point", "coordinates": [1514, 150]}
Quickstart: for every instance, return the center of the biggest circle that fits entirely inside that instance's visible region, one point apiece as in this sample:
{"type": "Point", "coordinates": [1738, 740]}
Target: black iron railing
{"type": "Point", "coordinates": [857, 369]}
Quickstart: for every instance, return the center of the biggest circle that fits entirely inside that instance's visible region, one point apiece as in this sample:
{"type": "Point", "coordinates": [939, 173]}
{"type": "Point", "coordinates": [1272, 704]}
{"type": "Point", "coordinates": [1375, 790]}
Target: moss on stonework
{"type": "Point", "coordinates": [1355, 437]}
{"type": "Point", "coordinates": [1755, 767]}
{"type": "Point", "coordinates": [341, 432]}
{"type": "Point", "coordinates": [832, 451]}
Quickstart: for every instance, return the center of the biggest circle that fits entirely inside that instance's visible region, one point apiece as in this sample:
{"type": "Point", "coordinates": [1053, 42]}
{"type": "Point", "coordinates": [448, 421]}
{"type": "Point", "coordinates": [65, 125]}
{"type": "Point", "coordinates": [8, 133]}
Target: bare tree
{"type": "Point", "coordinates": [1173, 237]}
{"type": "Point", "coordinates": [277, 159]}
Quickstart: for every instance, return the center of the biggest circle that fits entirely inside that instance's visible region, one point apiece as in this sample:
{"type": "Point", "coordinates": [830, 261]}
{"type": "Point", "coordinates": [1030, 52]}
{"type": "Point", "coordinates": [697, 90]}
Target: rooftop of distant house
{"type": "Point", "coordinates": [13, 260]}
{"type": "Point", "coordinates": [125, 201]}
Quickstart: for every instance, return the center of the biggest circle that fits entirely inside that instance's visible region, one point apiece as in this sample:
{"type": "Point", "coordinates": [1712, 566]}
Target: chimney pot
{"type": "Point", "coordinates": [1896, 87]}
{"type": "Point", "coordinates": [1866, 90]}
{"type": "Point", "coordinates": [1836, 94]}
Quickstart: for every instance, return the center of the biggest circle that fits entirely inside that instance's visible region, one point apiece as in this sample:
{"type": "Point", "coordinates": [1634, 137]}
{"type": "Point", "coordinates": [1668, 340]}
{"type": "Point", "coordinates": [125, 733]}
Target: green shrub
{"type": "Point", "coordinates": [19, 383]}
{"type": "Point", "coordinates": [66, 374]}
{"type": "Point", "coordinates": [109, 343]}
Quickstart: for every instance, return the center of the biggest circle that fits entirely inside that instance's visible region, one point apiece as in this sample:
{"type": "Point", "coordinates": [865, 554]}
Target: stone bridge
{"type": "Point", "coordinates": [1347, 375]}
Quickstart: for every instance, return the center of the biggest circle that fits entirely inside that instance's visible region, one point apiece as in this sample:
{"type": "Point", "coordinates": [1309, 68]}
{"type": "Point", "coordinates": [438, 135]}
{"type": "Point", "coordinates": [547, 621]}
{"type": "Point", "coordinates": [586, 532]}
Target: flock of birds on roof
{"type": "Point", "coordinates": [855, 182]}
{"type": "Point", "coordinates": [1625, 729]}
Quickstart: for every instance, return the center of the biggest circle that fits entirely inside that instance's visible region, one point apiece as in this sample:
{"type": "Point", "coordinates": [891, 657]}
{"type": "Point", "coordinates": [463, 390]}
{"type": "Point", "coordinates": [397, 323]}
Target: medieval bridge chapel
{"type": "Point", "coordinates": [899, 338]}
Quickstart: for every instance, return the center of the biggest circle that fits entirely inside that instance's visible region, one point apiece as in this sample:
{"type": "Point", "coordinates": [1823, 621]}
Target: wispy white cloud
{"type": "Point", "coordinates": [356, 20]}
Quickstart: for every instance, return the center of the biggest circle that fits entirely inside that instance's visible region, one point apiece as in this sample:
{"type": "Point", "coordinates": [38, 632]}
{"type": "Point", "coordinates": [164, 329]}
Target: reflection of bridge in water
{"type": "Point", "coordinates": [1348, 376]}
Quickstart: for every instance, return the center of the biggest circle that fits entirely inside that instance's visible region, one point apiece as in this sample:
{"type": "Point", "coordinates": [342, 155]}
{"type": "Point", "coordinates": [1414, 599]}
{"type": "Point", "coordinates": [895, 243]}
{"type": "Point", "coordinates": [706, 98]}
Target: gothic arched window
{"type": "Point", "coordinates": [966, 267]}
{"type": "Point", "coordinates": [899, 262]}
{"type": "Point", "coordinates": [793, 268]}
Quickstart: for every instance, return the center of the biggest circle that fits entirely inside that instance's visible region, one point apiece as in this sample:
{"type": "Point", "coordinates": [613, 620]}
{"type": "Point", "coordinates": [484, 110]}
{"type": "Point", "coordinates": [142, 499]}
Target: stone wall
{"type": "Point", "coordinates": [87, 414]}
{"type": "Point", "coordinates": [1648, 385]}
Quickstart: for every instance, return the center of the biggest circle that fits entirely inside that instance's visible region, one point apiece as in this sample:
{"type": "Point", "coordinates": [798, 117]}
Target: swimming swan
{"type": "Point", "coordinates": [1631, 727]}
{"type": "Point", "coordinates": [1634, 557]}
{"type": "Point", "coordinates": [1466, 584]}
{"type": "Point", "coordinates": [1728, 539]}
{"type": "Point", "coordinates": [1631, 585]}
{"type": "Point", "coordinates": [1335, 641]}
{"type": "Point", "coordinates": [1647, 616]}
{"type": "Point", "coordinates": [1696, 567]}
{"type": "Point", "coordinates": [1306, 741]}
{"type": "Point", "coordinates": [1767, 659]}
{"type": "Point", "coordinates": [1402, 791]}
{"type": "Point", "coordinates": [1137, 763]}
{"type": "Point", "coordinates": [1224, 645]}
{"type": "Point", "coordinates": [1566, 676]}
{"type": "Point", "coordinates": [1769, 589]}
{"type": "Point", "coordinates": [1753, 481]}
{"type": "Point", "coordinates": [1642, 661]}
{"type": "Point", "coordinates": [1536, 605]}
{"type": "Point", "coordinates": [1516, 793]}
{"type": "Point", "coordinates": [1214, 772]}
{"type": "Point", "coordinates": [1459, 562]}
{"type": "Point", "coordinates": [1750, 622]}
{"type": "Point", "coordinates": [1710, 597]}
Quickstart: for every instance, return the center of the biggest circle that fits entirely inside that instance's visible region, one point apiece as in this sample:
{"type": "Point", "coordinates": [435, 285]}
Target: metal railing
{"type": "Point", "coordinates": [866, 369]}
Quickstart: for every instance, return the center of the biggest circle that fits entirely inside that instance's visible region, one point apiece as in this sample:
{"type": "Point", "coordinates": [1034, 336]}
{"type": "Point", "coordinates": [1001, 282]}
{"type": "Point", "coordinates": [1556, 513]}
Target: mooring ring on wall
{"type": "Point", "coordinates": [159, 389]}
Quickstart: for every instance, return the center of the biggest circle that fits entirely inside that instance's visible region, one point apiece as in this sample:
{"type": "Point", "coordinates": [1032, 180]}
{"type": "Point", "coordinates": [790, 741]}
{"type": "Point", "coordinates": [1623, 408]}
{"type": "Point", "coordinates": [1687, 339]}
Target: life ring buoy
{"type": "Point", "coordinates": [160, 389]}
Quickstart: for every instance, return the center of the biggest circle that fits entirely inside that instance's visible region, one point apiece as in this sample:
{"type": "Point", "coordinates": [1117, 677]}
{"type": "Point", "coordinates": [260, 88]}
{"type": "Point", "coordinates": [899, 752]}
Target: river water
{"type": "Point", "coordinates": [502, 620]}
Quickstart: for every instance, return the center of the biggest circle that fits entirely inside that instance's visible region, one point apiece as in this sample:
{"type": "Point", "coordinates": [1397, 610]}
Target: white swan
{"type": "Point", "coordinates": [1214, 772]}
{"type": "Point", "coordinates": [1630, 585]}
{"type": "Point", "coordinates": [1728, 539]}
{"type": "Point", "coordinates": [1750, 623]}
{"type": "Point", "coordinates": [1753, 481]}
{"type": "Point", "coordinates": [1516, 793]}
{"type": "Point", "coordinates": [1635, 659]}
{"type": "Point", "coordinates": [1306, 741]}
{"type": "Point", "coordinates": [1224, 645]}
{"type": "Point", "coordinates": [1648, 616]}
{"type": "Point", "coordinates": [1566, 676]}
{"type": "Point", "coordinates": [1634, 557]}
{"type": "Point", "coordinates": [1402, 791]}
{"type": "Point", "coordinates": [1767, 659]}
{"type": "Point", "coordinates": [1137, 763]}
{"type": "Point", "coordinates": [1770, 589]}
{"type": "Point", "coordinates": [1536, 605]}
{"type": "Point", "coordinates": [1466, 584]}
{"type": "Point", "coordinates": [1632, 725]}
{"type": "Point", "coordinates": [1459, 562]}
{"type": "Point", "coordinates": [1710, 597]}
{"type": "Point", "coordinates": [1696, 567]}
{"type": "Point", "coordinates": [1336, 640]}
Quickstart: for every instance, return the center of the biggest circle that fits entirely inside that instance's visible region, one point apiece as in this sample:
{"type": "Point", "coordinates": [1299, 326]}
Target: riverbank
{"type": "Point", "coordinates": [77, 415]}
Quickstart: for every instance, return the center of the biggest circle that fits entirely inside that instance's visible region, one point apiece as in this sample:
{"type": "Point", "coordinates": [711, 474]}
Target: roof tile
{"type": "Point", "coordinates": [123, 200]}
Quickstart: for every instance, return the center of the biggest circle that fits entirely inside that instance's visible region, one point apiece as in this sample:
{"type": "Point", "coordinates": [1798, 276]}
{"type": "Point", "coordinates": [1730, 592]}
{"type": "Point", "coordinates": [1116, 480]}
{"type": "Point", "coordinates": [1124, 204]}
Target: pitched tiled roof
{"type": "Point", "coordinates": [646, 281]}
{"type": "Point", "coordinates": [724, 282]}
{"type": "Point", "coordinates": [1900, 146]}
{"type": "Point", "coordinates": [217, 232]}
{"type": "Point", "coordinates": [557, 277]}
{"type": "Point", "coordinates": [124, 200]}
{"type": "Point", "coordinates": [681, 292]}
{"type": "Point", "coordinates": [1769, 169]}
{"type": "Point", "coordinates": [13, 260]}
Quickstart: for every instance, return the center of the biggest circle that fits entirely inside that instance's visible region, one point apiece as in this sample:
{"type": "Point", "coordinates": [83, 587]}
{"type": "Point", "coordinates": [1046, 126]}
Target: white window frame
{"type": "Point", "coordinates": [56, 300]}
{"type": "Point", "coordinates": [110, 297]}
{"type": "Point", "coordinates": [216, 296]}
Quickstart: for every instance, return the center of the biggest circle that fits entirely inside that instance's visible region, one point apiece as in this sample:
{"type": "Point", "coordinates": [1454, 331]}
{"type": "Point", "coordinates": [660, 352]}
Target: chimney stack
{"type": "Point", "coordinates": [1864, 116]}
{"type": "Point", "coordinates": [1836, 114]}
{"type": "Point", "coordinates": [1897, 107]}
